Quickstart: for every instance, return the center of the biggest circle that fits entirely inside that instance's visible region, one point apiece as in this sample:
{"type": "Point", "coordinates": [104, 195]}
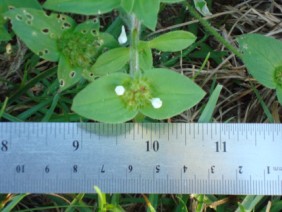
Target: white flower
{"type": "Point", "coordinates": [156, 103]}
{"type": "Point", "coordinates": [119, 90]}
{"type": "Point", "coordinates": [122, 39]}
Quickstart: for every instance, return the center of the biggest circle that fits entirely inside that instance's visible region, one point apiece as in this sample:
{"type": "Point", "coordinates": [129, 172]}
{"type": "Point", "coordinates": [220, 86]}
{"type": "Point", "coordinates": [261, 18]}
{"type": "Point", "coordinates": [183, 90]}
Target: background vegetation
{"type": "Point", "coordinates": [28, 92]}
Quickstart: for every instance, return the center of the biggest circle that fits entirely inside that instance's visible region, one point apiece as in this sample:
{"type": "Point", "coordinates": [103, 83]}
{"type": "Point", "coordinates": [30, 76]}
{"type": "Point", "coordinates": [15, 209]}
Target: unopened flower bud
{"type": "Point", "coordinates": [120, 90]}
{"type": "Point", "coordinates": [156, 103]}
{"type": "Point", "coordinates": [9, 49]}
{"type": "Point", "coordinates": [122, 39]}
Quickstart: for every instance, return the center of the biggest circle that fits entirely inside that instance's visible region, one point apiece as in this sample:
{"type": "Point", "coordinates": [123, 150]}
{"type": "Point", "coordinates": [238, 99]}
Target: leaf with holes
{"type": "Point", "coordinates": [84, 7]}
{"type": "Point", "coordinates": [6, 5]}
{"type": "Point", "coordinates": [12, 4]}
{"type": "Point", "coordinates": [68, 75]}
{"type": "Point", "coordinates": [40, 31]}
{"type": "Point", "coordinates": [111, 61]}
{"type": "Point", "coordinates": [263, 59]}
{"type": "Point", "coordinates": [99, 101]}
{"type": "Point", "coordinates": [90, 26]}
{"type": "Point", "coordinates": [173, 41]}
{"type": "Point", "coordinates": [147, 12]}
{"type": "Point", "coordinates": [176, 92]}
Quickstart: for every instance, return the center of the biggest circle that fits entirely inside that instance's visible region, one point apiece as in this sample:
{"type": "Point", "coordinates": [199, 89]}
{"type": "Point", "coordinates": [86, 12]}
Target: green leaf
{"type": "Point", "coordinates": [67, 75]}
{"type": "Point", "coordinates": [147, 12]}
{"type": "Point", "coordinates": [171, 1]}
{"type": "Point", "coordinates": [279, 94]}
{"type": "Point", "coordinates": [99, 101]}
{"type": "Point", "coordinates": [173, 41]}
{"type": "Point", "coordinates": [89, 26]}
{"type": "Point", "coordinates": [83, 7]}
{"type": "Point", "coordinates": [6, 5]}
{"type": "Point", "coordinates": [15, 200]}
{"type": "Point", "coordinates": [102, 201]}
{"type": "Point", "coordinates": [109, 41]}
{"type": "Point", "coordinates": [40, 31]}
{"type": "Point", "coordinates": [127, 5]}
{"type": "Point", "coordinates": [262, 56]}
{"type": "Point", "coordinates": [111, 61]}
{"type": "Point", "coordinates": [206, 115]}
{"type": "Point", "coordinates": [11, 4]}
{"type": "Point", "coordinates": [201, 6]}
{"type": "Point", "coordinates": [145, 56]}
{"type": "Point", "coordinates": [249, 203]}
{"type": "Point", "coordinates": [177, 93]}
{"type": "Point", "coordinates": [4, 34]}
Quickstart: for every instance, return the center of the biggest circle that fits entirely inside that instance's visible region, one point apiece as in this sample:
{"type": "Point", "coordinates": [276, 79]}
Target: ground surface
{"type": "Point", "coordinates": [30, 84]}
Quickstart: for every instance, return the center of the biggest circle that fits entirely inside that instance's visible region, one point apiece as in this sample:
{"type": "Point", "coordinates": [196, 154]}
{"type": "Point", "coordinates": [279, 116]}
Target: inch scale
{"type": "Point", "coordinates": [141, 158]}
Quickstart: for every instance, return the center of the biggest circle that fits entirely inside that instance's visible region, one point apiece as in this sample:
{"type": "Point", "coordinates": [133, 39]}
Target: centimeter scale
{"type": "Point", "coordinates": [141, 158]}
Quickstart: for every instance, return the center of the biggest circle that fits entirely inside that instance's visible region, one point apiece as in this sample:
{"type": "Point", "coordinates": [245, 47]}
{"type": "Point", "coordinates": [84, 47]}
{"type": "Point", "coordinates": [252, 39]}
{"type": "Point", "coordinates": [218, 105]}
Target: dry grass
{"type": "Point", "coordinates": [237, 102]}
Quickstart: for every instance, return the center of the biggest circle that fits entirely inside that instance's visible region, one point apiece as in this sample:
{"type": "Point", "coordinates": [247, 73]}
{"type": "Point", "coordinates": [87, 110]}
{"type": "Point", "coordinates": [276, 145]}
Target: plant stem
{"type": "Point", "coordinates": [134, 55]}
{"type": "Point", "coordinates": [211, 30]}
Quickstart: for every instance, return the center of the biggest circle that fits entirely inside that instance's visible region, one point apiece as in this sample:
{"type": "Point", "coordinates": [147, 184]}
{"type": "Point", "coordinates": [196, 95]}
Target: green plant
{"type": "Point", "coordinates": [57, 37]}
{"type": "Point", "coordinates": [6, 5]}
{"type": "Point", "coordinates": [118, 93]}
{"type": "Point", "coordinates": [263, 59]}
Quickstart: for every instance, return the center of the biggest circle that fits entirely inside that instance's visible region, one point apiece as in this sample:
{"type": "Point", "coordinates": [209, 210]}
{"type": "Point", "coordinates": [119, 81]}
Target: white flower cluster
{"type": "Point", "coordinates": [156, 102]}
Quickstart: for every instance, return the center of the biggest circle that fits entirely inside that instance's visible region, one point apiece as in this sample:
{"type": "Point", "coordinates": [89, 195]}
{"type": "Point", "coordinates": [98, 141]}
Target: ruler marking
{"type": "Point", "coordinates": [262, 184]}
{"type": "Point", "coordinates": [185, 128]}
{"type": "Point", "coordinates": [159, 130]}
{"type": "Point", "coordinates": [203, 132]}
{"type": "Point", "coordinates": [211, 132]}
{"type": "Point", "coordinates": [133, 134]}
{"type": "Point", "coordinates": [168, 132]}
{"type": "Point", "coordinates": [194, 133]}
{"type": "Point", "coordinates": [176, 131]}
{"type": "Point", "coordinates": [142, 130]}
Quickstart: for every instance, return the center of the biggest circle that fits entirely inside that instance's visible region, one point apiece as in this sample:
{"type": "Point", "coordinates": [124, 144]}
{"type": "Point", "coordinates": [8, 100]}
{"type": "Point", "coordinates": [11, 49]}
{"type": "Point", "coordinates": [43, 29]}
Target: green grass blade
{"type": "Point", "coordinates": [249, 203]}
{"type": "Point", "coordinates": [206, 115]}
{"type": "Point", "coordinates": [154, 200]}
{"type": "Point", "coordinates": [16, 199]}
{"type": "Point", "coordinates": [182, 204]}
{"type": "Point", "coordinates": [264, 106]}
{"type": "Point", "coordinates": [31, 83]}
{"type": "Point", "coordinates": [26, 114]}
{"type": "Point", "coordinates": [3, 108]}
{"type": "Point", "coordinates": [102, 202]}
{"type": "Point", "coordinates": [52, 108]}
{"type": "Point", "coordinates": [201, 204]}
{"type": "Point", "coordinates": [78, 203]}
{"type": "Point", "coordinates": [11, 118]}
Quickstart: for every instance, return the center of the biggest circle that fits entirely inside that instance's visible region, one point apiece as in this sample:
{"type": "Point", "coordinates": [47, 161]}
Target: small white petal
{"type": "Point", "coordinates": [157, 103]}
{"type": "Point", "coordinates": [122, 39]}
{"type": "Point", "coordinates": [120, 90]}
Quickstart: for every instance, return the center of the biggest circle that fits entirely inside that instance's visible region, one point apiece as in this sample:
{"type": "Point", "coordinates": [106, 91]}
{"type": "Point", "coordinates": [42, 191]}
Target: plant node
{"type": "Point", "coordinates": [79, 48]}
{"type": "Point", "coordinates": [137, 93]}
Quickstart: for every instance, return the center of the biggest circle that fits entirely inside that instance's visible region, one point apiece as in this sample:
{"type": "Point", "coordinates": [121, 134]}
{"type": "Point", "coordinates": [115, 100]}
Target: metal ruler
{"type": "Point", "coordinates": [141, 158]}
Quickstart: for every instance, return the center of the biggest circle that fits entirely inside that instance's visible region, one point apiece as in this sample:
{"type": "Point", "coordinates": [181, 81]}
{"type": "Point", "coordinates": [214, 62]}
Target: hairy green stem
{"type": "Point", "coordinates": [134, 54]}
{"type": "Point", "coordinates": [212, 31]}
